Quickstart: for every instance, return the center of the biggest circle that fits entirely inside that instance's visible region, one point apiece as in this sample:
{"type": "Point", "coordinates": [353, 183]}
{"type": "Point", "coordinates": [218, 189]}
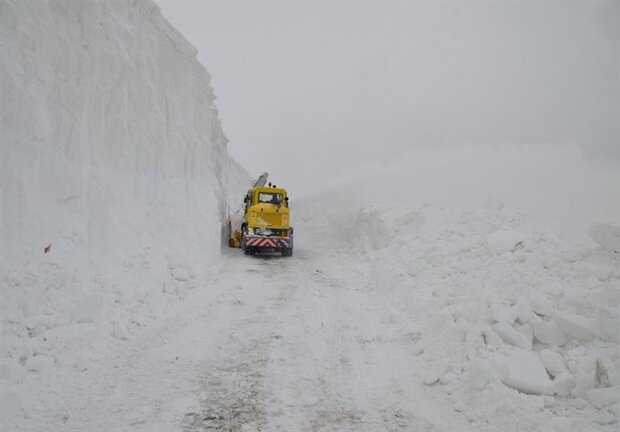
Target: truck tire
{"type": "Point", "coordinates": [244, 247]}
{"type": "Point", "coordinates": [287, 252]}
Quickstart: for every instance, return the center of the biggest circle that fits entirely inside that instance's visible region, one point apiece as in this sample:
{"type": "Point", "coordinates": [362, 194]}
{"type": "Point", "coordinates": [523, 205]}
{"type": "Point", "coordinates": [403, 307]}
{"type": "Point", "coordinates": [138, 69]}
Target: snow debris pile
{"type": "Point", "coordinates": [522, 327]}
{"type": "Point", "coordinates": [113, 166]}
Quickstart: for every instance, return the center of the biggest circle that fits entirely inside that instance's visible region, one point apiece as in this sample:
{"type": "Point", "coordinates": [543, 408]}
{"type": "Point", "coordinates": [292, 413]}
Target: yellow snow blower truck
{"type": "Point", "coordinates": [266, 221]}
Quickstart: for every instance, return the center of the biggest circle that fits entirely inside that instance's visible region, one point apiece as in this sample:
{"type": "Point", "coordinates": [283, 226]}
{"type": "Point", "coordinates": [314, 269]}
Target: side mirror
{"type": "Point", "coordinates": [286, 199]}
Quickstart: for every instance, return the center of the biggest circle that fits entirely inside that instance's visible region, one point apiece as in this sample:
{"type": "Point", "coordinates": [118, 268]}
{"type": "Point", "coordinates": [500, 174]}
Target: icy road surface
{"type": "Point", "coordinates": [272, 344]}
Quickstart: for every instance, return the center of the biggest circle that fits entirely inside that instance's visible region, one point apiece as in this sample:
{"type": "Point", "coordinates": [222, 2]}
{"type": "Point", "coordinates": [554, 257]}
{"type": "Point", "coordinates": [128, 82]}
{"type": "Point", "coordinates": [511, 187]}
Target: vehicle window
{"type": "Point", "coordinates": [274, 198]}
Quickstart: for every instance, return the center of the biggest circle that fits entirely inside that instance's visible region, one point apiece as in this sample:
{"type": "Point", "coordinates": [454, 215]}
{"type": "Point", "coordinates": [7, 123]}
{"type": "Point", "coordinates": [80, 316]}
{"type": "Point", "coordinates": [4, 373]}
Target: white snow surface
{"type": "Point", "coordinates": [403, 337]}
{"type": "Point", "coordinates": [386, 318]}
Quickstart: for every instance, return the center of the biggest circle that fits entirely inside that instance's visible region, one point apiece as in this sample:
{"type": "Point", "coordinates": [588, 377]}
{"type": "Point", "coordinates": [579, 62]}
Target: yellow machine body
{"type": "Point", "coordinates": [266, 207]}
{"type": "Point", "coordinates": [266, 222]}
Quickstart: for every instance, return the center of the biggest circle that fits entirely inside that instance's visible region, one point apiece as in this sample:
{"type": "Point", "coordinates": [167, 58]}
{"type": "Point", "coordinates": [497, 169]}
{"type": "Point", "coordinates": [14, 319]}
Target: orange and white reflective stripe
{"type": "Point", "coordinates": [267, 242]}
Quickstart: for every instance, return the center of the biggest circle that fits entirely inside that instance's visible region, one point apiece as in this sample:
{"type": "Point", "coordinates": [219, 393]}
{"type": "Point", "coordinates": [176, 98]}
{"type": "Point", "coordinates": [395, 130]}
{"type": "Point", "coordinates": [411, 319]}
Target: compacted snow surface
{"type": "Point", "coordinates": [119, 311]}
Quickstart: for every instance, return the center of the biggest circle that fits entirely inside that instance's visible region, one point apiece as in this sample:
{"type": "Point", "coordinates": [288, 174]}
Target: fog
{"type": "Point", "coordinates": [524, 98]}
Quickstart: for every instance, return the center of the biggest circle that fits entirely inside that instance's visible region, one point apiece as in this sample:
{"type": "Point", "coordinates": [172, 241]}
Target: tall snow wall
{"type": "Point", "coordinates": [111, 152]}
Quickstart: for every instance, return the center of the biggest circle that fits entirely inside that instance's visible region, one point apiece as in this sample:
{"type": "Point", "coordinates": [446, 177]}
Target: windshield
{"type": "Point", "coordinates": [273, 198]}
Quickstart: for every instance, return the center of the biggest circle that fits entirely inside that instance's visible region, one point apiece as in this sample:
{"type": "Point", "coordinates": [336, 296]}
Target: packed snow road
{"type": "Point", "coordinates": [272, 344]}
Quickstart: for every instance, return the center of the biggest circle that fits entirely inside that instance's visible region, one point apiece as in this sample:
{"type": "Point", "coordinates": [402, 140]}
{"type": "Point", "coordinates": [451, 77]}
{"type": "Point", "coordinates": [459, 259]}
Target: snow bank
{"type": "Point", "coordinates": [518, 326]}
{"type": "Point", "coordinates": [115, 179]}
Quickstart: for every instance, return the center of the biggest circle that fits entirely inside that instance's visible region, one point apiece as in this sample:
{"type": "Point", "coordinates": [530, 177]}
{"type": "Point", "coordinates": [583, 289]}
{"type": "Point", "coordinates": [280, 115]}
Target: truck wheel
{"type": "Point", "coordinates": [287, 252]}
{"type": "Point", "coordinates": [244, 246]}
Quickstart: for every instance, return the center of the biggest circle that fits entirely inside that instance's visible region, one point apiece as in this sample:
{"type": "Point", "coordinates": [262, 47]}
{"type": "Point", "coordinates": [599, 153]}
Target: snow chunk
{"type": "Point", "coordinates": [503, 241]}
{"type": "Point", "coordinates": [511, 336]}
{"type": "Point", "coordinates": [525, 314]}
{"type": "Point", "coordinates": [523, 371]}
{"type": "Point", "coordinates": [553, 362]}
{"type": "Point", "coordinates": [527, 331]}
{"type": "Point", "coordinates": [549, 333]}
{"type": "Point", "coordinates": [607, 235]}
{"type": "Point", "coordinates": [491, 338]}
{"type": "Point", "coordinates": [575, 326]}
{"type": "Point", "coordinates": [563, 385]}
{"type": "Point", "coordinates": [541, 305]}
{"type": "Point", "coordinates": [584, 371]}
{"type": "Point", "coordinates": [603, 397]}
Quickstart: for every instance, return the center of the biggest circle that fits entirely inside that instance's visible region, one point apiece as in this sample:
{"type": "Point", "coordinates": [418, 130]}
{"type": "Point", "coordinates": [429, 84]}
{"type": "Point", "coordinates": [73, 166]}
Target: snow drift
{"type": "Point", "coordinates": [114, 171]}
{"type": "Point", "coordinates": [515, 326]}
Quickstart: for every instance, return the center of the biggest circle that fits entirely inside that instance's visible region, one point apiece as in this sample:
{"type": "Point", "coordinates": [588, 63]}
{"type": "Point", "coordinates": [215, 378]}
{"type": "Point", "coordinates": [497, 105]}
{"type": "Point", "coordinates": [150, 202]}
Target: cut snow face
{"type": "Point", "coordinates": [106, 157]}
{"type": "Point", "coordinates": [115, 179]}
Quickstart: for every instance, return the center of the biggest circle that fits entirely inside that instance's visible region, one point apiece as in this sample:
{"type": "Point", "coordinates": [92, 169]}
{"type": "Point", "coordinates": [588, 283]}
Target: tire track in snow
{"type": "Point", "coordinates": [335, 410]}
{"type": "Point", "coordinates": [235, 394]}
{"type": "Point", "coordinates": [234, 384]}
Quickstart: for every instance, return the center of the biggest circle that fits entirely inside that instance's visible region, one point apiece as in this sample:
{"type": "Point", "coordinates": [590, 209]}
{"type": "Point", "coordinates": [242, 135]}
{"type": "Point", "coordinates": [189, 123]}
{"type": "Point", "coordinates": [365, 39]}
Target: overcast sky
{"type": "Point", "coordinates": [321, 88]}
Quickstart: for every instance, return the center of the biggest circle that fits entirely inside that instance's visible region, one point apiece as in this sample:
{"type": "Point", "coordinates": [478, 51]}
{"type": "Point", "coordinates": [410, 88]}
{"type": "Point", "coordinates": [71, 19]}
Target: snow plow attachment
{"type": "Point", "coordinates": [234, 236]}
